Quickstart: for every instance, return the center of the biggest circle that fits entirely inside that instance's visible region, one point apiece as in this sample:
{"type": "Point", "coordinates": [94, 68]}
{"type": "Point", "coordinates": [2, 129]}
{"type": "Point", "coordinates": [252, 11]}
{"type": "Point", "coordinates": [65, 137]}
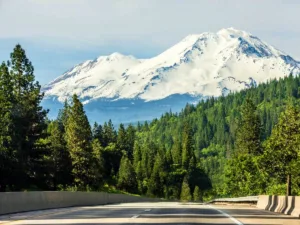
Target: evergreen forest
{"type": "Point", "coordinates": [242, 144]}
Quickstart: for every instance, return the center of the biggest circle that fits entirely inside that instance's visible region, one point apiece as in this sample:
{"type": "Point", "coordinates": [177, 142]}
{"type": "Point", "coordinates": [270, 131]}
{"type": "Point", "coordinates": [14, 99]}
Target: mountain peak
{"type": "Point", "coordinates": [233, 32]}
{"type": "Point", "coordinates": [201, 64]}
{"type": "Point", "coordinates": [114, 57]}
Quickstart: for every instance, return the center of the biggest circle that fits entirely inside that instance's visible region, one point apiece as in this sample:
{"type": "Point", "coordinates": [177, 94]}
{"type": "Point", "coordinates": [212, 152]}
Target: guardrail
{"type": "Point", "coordinates": [247, 199]}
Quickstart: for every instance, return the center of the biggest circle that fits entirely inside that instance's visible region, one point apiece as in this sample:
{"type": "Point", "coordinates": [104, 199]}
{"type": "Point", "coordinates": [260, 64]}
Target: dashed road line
{"type": "Point", "coordinates": [134, 217]}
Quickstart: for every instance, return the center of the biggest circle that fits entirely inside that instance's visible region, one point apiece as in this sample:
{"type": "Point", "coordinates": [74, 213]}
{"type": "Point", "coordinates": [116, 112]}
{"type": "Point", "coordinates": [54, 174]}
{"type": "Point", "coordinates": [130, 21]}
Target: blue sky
{"type": "Point", "coordinates": [57, 34]}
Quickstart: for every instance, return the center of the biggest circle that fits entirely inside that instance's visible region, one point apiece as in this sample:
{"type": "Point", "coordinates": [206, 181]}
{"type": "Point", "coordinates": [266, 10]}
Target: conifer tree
{"type": "Point", "coordinates": [158, 177]}
{"type": "Point", "coordinates": [130, 137]}
{"type": "Point", "coordinates": [187, 146]}
{"type": "Point", "coordinates": [122, 140]}
{"type": "Point", "coordinates": [242, 172]}
{"type": "Point", "coordinates": [99, 163]}
{"type": "Point", "coordinates": [79, 137]}
{"type": "Point", "coordinates": [97, 132]}
{"type": "Point", "coordinates": [248, 139]}
{"type": "Point", "coordinates": [282, 152]}
{"type": "Point", "coordinates": [63, 116]}
{"type": "Point", "coordinates": [109, 133]}
{"type": "Point", "coordinates": [6, 128]}
{"type": "Point", "coordinates": [60, 157]}
{"type": "Point", "coordinates": [126, 176]}
{"type": "Point", "coordinates": [177, 152]}
{"type": "Point", "coordinates": [28, 117]}
{"type": "Point", "coordinates": [185, 190]}
{"type": "Point", "coordinates": [197, 195]}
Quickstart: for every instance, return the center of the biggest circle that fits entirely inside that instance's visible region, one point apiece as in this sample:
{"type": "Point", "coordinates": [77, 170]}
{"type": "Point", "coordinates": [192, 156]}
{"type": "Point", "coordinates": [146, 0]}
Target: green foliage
{"type": "Point", "coordinates": [197, 194]}
{"type": "Point", "coordinates": [281, 158]}
{"type": "Point", "coordinates": [248, 140]}
{"type": "Point", "coordinates": [127, 176]}
{"type": "Point", "coordinates": [78, 138]}
{"type": "Point", "coordinates": [185, 191]}
{"type": "Point", "coordinates": [22, 123]}
{"type": "Point", "coordinates": [60, 161]}
{"type": "Point", "coordinates": [243, 176]}
{"type": "Point", "coordinates": [211, 149]}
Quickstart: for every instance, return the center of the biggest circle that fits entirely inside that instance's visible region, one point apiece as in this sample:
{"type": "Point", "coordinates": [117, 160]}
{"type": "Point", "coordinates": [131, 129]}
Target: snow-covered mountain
{"type": "Point", "coordinates": [208, 64]}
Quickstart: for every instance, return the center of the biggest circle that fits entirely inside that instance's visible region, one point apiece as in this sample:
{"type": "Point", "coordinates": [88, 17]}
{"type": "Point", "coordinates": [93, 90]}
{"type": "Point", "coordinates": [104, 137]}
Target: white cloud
{"type": "Point", "coordinates": [83, 23]}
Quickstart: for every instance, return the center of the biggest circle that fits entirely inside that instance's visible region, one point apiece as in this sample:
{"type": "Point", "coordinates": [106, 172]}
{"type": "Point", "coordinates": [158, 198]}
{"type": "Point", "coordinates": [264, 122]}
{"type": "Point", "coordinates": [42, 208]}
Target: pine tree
{"type": "Point", "coordinates": [60, 157]}
{"type": "Point", "coordinates": [99, 163]}
{"type": "Point", "coordinates": [242, 171]}
{"type": "Point", "coordinates": [126, 176]}
{"type": "Point", "coordinates": [29, 118]}
{"type": "Point", "coordinates": [248, 139]}
{"type": "Point", "coordinates": [187, 145]}
{"type": "Point", "coordinates": [130, 137]}
{"type": "Point", "coordinates": [6, 129]}
{"type": "Point", "coordinates": [197, 195]}
{"type": "Point", "coordinates": [109, 133]}
{"type": "Point", "coordinates": [63, 116]}
{"type": "Point", "coordinates": [79, 137]}
{"type": "Point", "coordinates": [185, 191]}
{"type": "Point", "coordinates": [177, 152]}
{"type": "Point", "coordinates": [97, 132]}
{"type": "Point", "coordinates": [282, 149]}
{"type": "Point", "coordinates": [158, 177]}
{"type": "Point", "coordinates": [122, 140]}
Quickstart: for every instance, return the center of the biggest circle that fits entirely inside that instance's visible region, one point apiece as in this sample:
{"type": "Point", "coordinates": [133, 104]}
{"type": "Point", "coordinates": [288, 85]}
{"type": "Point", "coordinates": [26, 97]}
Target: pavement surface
{"type": "Point", "coordinates": [167, 213]}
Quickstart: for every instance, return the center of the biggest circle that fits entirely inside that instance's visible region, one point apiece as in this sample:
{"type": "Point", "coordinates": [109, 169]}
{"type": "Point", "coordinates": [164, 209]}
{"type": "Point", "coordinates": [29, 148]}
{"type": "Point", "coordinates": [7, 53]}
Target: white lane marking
{"type": "Point", "coordinates": [227, 215]}
{"type": "Point", "coordinates": [136, 216]}
{"type": "Point", "coordinates": [147, 210]}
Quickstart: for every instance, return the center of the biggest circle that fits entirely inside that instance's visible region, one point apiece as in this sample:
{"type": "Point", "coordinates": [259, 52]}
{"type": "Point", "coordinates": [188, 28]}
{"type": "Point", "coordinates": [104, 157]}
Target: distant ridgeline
{"type": "Point", "coordinates": [246, 143]}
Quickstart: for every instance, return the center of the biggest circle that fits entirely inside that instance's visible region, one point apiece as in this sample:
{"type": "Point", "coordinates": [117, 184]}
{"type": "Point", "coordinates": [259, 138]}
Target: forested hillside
{"type": "Point", "coordinates": [246, 143]}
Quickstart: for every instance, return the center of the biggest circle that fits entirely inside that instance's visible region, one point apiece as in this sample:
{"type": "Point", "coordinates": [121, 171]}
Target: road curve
{"type": "Point", "coordinates": [169, 213]}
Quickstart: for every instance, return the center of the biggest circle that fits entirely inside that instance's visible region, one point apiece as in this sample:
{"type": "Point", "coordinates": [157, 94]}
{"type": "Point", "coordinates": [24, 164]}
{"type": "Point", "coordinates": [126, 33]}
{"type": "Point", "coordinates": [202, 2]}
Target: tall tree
{"type": "Point", "coordinates": [61, 163]}
{"type": "Point", "coordinates": [126, 176]}
{"type": "Point", "coordinates": [28, 116]}
{"type": "Point", "coordinates": [242, 169]}
{"type": "Point", "coordinates": [79, 137]}
{"type": "Point", "coordinates": [187, 145]}
{"type": "Point", "coordinates": [248, 139]}
{"type": "Point", "coordinates": [282, 152]}
{"type": "Point", "coordinates": [185, 190]}
{"type": "Point", "coordinates": [158, 177]}
{"type": "Point", "coordinates": [122, 144]}
{"type": "Point", "coordinates": [197, 195]}
{"type": "Point", "coordinates": [6, 128]}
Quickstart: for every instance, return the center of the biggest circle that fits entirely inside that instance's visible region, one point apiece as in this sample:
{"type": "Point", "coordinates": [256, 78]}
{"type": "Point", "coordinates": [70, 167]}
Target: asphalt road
{"type": "Point", "coordinates": [169, 213]}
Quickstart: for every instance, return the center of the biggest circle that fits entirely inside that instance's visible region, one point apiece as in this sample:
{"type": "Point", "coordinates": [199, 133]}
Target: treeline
{"type": "Point", "coordinates": [67, 154]}
{"type": "Point", "coordinates": [246, 143]}
{"type": "Point", "coordinates": [239, 140]}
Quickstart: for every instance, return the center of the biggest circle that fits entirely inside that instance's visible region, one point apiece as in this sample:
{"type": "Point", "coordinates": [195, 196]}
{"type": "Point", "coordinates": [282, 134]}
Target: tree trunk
{"type": "Point", "coordinates": [289, 185]}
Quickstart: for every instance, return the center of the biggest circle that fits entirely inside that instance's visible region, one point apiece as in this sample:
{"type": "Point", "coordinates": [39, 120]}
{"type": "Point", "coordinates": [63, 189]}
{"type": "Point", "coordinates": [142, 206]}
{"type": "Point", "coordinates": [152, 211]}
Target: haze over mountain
{"type": "Point", "coordinates": [126, 89]}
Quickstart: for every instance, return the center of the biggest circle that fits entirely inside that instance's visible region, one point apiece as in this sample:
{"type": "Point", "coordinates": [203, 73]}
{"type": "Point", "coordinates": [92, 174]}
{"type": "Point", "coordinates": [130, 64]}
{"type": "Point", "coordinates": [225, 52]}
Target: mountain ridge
{"type": "Point", "coordinates": [200, 65]}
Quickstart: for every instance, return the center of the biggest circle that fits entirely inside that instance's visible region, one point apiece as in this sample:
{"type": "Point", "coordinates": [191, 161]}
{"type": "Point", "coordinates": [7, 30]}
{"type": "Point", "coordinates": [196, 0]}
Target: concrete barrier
{"type": "Point", "coordinates": [289, 205]}
{"type": "Point", "coordinates": [296, 209]}
{"type": "Point", "coordinates": [264, 201]}
{"type": "Point", "coordinates": [12, 202]}
{"type": "Point", "coordinates": [282, 204]}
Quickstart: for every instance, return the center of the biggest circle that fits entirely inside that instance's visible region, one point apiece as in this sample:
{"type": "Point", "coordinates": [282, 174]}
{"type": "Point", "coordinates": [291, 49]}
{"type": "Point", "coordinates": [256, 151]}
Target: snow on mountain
{"type": "Point", "coordinates": [92, 78]}
{"type": "Point", "coordinates": [208, 64]}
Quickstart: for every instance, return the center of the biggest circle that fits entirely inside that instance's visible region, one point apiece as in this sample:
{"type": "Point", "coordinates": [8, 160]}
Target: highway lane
{"type": "Point", "coordinates": [173, 213]}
